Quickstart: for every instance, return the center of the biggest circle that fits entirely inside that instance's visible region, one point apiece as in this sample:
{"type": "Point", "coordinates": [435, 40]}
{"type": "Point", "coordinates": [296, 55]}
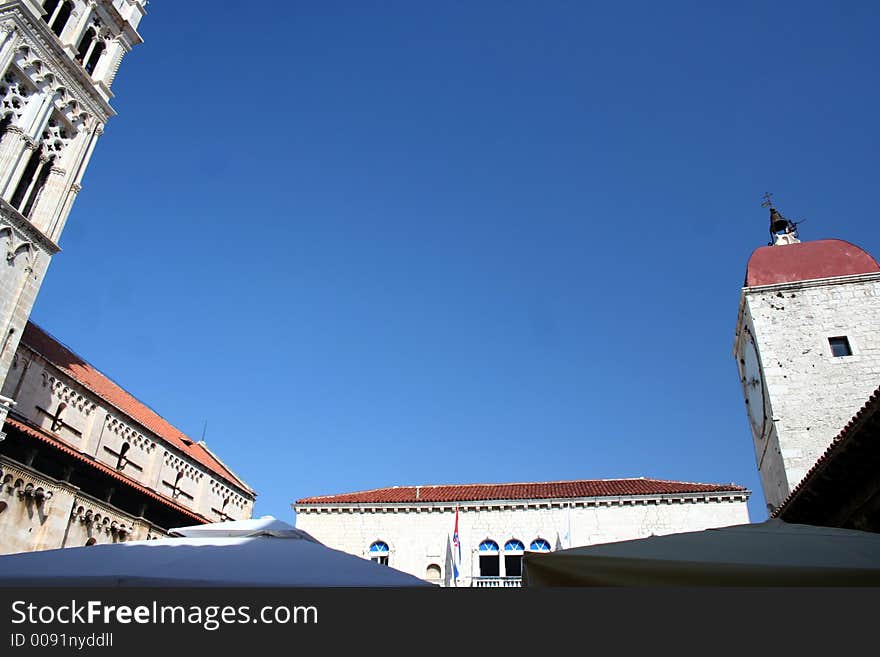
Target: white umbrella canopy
{"type": "Point", "coordinates": [771, 553]}
{"type": "Point", "coordinates": [263, 552]}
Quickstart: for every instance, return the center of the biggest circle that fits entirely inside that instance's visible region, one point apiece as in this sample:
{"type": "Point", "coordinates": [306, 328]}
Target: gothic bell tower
{"type": "Point", "coordinates": [57, 62]}
{"type": "Point", "coordinates": [807, 348]}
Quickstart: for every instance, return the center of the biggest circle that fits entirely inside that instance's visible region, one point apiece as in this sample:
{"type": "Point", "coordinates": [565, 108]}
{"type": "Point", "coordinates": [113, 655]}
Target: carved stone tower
{"type": "Point", "coordinates": [807, 348]}
{"type": "Point", "coordinates": [57, 62]}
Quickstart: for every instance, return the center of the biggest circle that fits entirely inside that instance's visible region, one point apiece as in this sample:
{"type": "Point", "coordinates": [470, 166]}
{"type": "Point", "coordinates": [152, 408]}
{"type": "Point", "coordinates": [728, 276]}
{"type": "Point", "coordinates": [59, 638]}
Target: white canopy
{"type": "Point", "coordinates": [260, 552]}
{"type": "Point", "coordinates": [772, 553]}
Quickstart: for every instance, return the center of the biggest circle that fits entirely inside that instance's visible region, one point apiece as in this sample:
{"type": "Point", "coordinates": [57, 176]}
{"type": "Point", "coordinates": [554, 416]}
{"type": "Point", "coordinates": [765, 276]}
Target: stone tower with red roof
{"type": "Point", "coordinates": [807, 348]}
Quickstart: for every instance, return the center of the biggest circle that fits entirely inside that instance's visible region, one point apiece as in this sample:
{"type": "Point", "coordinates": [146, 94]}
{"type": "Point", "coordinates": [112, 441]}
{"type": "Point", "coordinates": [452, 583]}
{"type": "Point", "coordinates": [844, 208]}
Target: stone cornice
{"type": "Point", "coordinates": [501, 505]}
{"type": "Point", "coordinates": [814, 282]}
{"type": "Point", "coordinates": [71, 75]}
{"type": "Point", "coordinates": [20, 223]}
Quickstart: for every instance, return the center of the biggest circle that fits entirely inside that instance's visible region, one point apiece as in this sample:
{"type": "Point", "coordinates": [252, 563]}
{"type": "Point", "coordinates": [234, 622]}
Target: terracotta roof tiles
{"type": "Point", "coordinates": [88, 376]}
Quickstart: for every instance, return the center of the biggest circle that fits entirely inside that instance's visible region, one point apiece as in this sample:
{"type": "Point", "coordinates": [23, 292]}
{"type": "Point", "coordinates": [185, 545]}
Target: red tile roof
{"type": "Point", "coordinates": [57, 443]}
{"type": "Point", "coordinates": [86, 375]}
{"type": "Point", "coordinates": [869, 409]}
{"type": "Point", "coordinates": [806, 261]}
{"type": "Point", "coordinates": [522, 491]}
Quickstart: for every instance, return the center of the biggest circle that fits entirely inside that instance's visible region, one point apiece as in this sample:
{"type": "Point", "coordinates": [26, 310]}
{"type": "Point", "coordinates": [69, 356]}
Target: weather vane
{"type": "Point", "coordinates": [782, 229]}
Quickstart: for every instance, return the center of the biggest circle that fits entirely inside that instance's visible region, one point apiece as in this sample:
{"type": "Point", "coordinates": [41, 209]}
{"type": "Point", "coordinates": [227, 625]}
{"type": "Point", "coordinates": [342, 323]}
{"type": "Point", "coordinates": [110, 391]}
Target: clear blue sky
{"type": "Point", "coordinates": [396, 243]}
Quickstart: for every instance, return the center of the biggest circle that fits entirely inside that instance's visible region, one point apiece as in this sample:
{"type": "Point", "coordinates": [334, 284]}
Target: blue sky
{"type": "Point", "coordinates": [396, 243]}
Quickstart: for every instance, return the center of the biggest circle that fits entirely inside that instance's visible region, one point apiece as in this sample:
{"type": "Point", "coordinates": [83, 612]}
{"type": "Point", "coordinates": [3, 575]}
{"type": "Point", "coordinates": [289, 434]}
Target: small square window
{"type": "Point", "coordinates": [840, 346]}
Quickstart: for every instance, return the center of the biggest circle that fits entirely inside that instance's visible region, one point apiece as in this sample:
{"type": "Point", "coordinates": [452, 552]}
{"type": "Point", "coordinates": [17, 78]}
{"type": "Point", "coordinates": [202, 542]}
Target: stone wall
{"type": "Point", "coordinates": [41, 513]}
{"type": "Point", "coordinates": [812, 393]}
{"type": "Point", "coordinates": [417, 535]}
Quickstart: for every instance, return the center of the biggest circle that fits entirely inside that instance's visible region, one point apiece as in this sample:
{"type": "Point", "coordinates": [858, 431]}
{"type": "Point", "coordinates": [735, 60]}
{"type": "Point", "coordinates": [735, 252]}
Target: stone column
{"type": "Point", "coordinates": [12, 145]}
{"type": "Point", "coordinates": [77, 171]}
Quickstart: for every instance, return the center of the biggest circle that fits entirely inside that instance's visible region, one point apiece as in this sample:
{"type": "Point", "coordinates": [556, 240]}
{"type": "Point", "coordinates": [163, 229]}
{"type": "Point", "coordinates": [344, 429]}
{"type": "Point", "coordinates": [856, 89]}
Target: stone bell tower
{"type": "Point", "coordinates": [807, 348]}
{"type": "Point", "coordinates": [57, 62]}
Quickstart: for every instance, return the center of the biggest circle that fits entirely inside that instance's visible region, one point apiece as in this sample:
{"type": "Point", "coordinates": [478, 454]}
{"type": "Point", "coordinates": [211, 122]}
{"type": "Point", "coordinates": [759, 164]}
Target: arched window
{"type": "Point", "coordinates": [540, 545]}
{"type": "Point", "coordinates": [96, 55]}
{"type": "Point", "coordinates": [32, 181]}
{"type": "Point", "coordinates": [3, 506]}
{"type": "Point", "coordinates": [122, 460]}
{"type": "Point", "coordinates": [513, 551]}
{"type": "Point", "coordinates": [379, 552]}
{"type": "Point", "coordinates": [85, 44]}
{"type": "Point", "coordinates": [57, 14]}
{"type": "Point", "coordinates": [489, 559]}
{"type": "Point", "coordinates": [91, 541]}
{"type": "Point", "coordinates": [432, 573]}
{"type": "Point", "coordinates": [57, 422]}
{"type": "Point", "coordinates": [89, 50]}
{"type": "Point", "coordinates": [49, 6]}
{"type": "Point", "coordinates": [175, 491]}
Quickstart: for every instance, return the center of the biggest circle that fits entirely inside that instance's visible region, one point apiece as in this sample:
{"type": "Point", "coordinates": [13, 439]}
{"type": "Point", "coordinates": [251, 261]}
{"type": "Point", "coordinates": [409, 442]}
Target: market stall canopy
{"type": "Point", "coordinates": [772, 553]}
{"type": "Point", "coordinates": [254, 553]}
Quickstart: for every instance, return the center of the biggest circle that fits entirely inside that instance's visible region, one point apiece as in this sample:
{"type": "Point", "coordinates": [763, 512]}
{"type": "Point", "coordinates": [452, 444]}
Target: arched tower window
{"type": "Point", "coordinates": [50, 6]}
{"type": "Point", "coordinates": [32, 181]}
{"type": "Point", "coordinates": [379, 552]}
{"type": "Point", "coordinates": [489, 559]}
{"type": "Point", "coordinates": [90, 49]}
{"type": "Point", "coordinates": [57, 14]}
{"type": "Point", "coordinates": [92, 62]}
{"type": "Point", "coordinates": [85, 44]}
{"type": "Point", "coordinates": [91, 541]}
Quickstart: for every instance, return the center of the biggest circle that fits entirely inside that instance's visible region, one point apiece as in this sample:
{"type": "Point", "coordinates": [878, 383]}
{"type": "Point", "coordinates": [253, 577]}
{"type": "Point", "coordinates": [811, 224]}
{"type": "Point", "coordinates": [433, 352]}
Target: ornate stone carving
{"type": "Point", "coordinates": [189, 471]}
{"type": "Point", "coordinates": [14, 93]}
{"type": "Point", "coordinates": [42, 53]}
{"type": "Point", "coordinates": [100, 518]}
{"type": "Point", "coordinates": [16, 247]}
{"type": "Point", "coordinates": [68, 395]}
{"type": "Point", "coordinates": [225, 493]}
{"type": "Point", "coordinates": [19, 484]}
{"type": "Point", "coordinates": [130, 435]}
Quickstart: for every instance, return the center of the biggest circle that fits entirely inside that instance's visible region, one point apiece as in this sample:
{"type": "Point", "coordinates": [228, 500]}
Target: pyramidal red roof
{"type": "Point", "coordinates": [521, 491]}
{"type": "Point", "coordinates": [805, 261]}
{"type": "Point", "coordinates": [83, 373]}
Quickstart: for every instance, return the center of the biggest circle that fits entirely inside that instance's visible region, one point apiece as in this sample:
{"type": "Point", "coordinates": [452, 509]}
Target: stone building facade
{"type": "Point", "coordinates": [411, 527]}
{"type": "Point", "coordinates": [807, 347]}
{"type": "Point", "coordinates": [58, 59]}
{"type": "Point", "coordinates": [81, 460]}
{"type": "Point", "coordinates": [85, 462]}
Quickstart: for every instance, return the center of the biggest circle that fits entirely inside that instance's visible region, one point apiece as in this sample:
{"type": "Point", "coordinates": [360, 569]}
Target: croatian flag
{"type": "Point", "coordinates": [456, 550]}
